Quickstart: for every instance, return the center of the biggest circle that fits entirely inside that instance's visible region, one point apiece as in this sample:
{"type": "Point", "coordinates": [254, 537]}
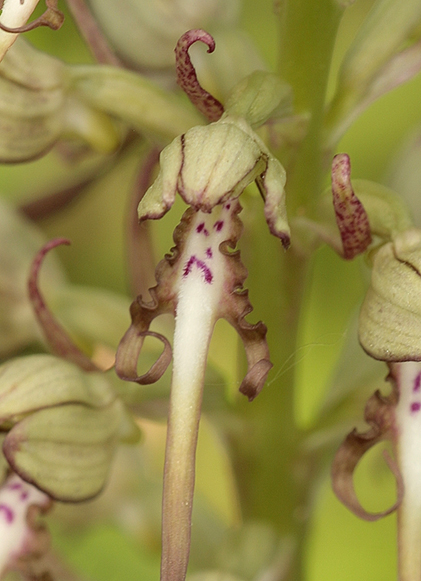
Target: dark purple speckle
{"type": "Point", "coordinates": [189, 265]}
{"type": "Point", "coordinates": [417, 382]}
{"type": "Point", "coordinates": [228, 206]}
{"type": "Point", "coordinates": [415, 406]}
{"type": "Point", "coordinates": [24, 496]}
{"type": "Point", "coordinates": [209, 252]}
{"type": "Point", "coordinates": [218, 225]}
{"type": "Point", "coordinates": [200, 229]}
{"type": "Point", "coordinates": [8, 512]}
{"type": "Point", "coordinates": [207, 273]}
{"type": "Point", "coordinates": [14, 486]}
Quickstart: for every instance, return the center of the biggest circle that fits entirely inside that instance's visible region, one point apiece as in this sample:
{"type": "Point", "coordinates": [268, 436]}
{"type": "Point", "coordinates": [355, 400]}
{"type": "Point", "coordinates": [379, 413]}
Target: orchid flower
{"type": "Point", "coordinates": [61, 421]}
{"type": "Point", "coordinates": [201, 281]}
{"type": "Point", "coordinates": [389, 330]}
{"type": "Point", "coordinates": [61, 415]}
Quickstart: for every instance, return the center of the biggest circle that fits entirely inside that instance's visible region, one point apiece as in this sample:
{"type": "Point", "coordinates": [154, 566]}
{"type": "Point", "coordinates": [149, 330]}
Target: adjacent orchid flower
{"type": "Point", "coordinates": [46, 107]}
{"type": "Point", "coordinates": [390, 330]}
{"type": "Point", "coordinates": [61, 416]}
{"type": "Point", "coordinates": [61, 421]}
{"type": "Point", "coordinates": [201, 281]}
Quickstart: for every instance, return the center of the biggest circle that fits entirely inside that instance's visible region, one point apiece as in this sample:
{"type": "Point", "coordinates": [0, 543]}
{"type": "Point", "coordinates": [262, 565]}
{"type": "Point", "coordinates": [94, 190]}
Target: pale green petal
{"type": "Point", "coordinates": [40, 381]}
{"type": "Point", "coordinates": [390, 318]}
{"type": "Point", "coordinates": [272, 183]}
{"type": "Point", "coordinates": [219, 161]}
{"type": "Point", "coordinates": [66, 451]}
{"type": "Point", "coordinates": [160, 196]}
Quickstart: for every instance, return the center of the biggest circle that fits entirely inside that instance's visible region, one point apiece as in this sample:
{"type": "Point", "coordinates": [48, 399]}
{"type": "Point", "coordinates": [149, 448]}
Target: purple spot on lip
{"type": "Point", "coordinates": [209, 253]}
{"type": "Point", "coordinates": [201, 265]}
{"type": "Point", "coordinates": [189, 265]}
{"type": "Point", "coordinates": [415, 406]}
{"type": "Point", "coordinates": [15, 486]}
{"type": "Point", "coordinates": [24, 496]}
{"type": "Point", "coordinates": [200, 229]}
{"type": "Point", "coordinates": [417, 382]}
{"type": "Point", "coordinates": [8, 512]}
{"type": "Point", "coordinates": [218, 225]}
{"type": "Point", "coordinates": [206, 271]}
{"type": "Point", "coordinates": [228, 206]}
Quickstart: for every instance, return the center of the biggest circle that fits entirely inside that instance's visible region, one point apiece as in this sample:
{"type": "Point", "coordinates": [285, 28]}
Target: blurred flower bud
{"type": "Point", "coordinates": [31, 103]}
{"type": "Point", "coordinates": [145, 33]}
{"type": "Point", "coordinates": [259, 96]}
{"type": "Point", "coordinates": [64, 425]}
{"type": "Point", "coordinates": [36, 108]}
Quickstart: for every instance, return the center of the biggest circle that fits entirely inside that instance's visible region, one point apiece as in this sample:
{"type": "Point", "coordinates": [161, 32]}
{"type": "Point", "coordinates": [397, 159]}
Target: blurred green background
{"type": "Point", "coordinates": [340, 546]}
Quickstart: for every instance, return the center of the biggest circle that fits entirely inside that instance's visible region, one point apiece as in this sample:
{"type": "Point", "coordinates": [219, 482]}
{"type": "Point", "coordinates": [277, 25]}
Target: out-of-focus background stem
{"type": "Point", "coordinates": [275, 481]}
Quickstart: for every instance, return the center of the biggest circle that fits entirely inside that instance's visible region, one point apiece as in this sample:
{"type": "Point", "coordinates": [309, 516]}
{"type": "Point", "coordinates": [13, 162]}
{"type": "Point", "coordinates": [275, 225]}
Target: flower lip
{"type": "Point", "coordinates": [233, 304]}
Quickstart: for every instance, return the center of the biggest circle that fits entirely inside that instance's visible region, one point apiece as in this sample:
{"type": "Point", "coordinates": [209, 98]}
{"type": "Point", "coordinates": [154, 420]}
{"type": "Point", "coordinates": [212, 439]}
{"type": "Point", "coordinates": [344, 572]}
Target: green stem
{"type": "Point", "coordinates": [273, 480]}
{"type": "Point", "coordinates": [308, 32]}
{"type": "Point", "coordinates": [279, 479]}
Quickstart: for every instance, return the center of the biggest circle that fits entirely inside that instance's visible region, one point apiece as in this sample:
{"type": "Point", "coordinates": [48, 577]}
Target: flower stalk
{"type": "Point", "coordinates": [195, 319]}
{"type": "Point", "coordinates": [200, 283]}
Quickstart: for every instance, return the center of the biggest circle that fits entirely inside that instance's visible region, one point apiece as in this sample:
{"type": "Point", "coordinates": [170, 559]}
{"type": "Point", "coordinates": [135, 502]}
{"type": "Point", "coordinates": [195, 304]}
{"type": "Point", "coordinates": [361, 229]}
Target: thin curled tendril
{"type": "Point", "coordinates": [208, 105]}
{"type": "Point", "coordinates": [57, 338]}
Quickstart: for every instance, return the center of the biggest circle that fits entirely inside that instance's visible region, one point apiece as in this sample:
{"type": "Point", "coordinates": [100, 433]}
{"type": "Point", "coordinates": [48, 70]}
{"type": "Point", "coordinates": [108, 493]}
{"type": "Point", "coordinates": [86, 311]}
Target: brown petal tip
{"type": "Point", "coordinates": [378, 414]}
